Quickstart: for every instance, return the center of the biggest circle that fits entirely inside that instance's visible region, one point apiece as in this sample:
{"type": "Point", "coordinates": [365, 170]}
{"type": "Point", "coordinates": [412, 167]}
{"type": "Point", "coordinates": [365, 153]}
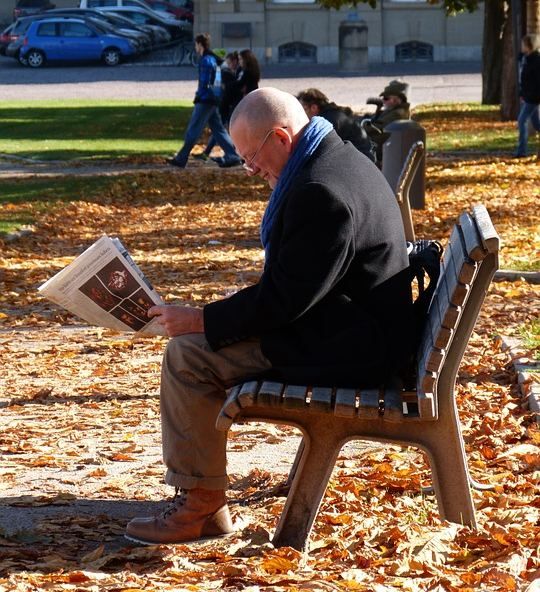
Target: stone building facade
{"type": "Point", "coordinates": [281, 31]}
{"type": "Point", "coordinates": [301, 31]}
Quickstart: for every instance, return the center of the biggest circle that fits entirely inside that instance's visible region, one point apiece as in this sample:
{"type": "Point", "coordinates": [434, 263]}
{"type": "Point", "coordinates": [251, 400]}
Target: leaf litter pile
{"type": "Point", "coordinates": [80, 436]}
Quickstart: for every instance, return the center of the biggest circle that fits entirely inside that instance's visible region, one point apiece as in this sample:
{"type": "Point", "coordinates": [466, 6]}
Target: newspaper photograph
{"type": "Point", "coordinates": [105, 287]}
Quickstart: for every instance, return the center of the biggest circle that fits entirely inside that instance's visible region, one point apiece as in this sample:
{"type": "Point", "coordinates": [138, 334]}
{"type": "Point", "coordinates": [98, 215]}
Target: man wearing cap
{"type": "Point", "coordinates": [332, 306]}
{"type": "Point", "coordinates": [392, 107]}
{"type": "Point", "coordinates": [394, 104]}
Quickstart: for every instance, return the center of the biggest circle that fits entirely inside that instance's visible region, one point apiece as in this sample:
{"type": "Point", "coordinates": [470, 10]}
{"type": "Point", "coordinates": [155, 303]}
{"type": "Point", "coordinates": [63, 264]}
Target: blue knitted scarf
{"type": "Point", "coordinates": [315, 131]}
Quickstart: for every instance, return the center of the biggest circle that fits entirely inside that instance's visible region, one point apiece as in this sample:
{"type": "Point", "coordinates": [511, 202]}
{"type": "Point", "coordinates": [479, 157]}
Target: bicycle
{"type": "Point", "coordinates": [185, 55]}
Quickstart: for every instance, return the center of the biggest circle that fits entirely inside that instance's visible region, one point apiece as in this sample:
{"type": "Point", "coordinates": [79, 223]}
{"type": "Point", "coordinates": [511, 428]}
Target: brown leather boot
{"type": "Point", "coordinates": [193, 514]}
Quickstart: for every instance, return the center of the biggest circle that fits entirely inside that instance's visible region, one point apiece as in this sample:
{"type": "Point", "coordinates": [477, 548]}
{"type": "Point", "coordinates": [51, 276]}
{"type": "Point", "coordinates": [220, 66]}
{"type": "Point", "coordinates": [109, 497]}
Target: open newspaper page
{"type": "Point", "coordinates": [105, 287]}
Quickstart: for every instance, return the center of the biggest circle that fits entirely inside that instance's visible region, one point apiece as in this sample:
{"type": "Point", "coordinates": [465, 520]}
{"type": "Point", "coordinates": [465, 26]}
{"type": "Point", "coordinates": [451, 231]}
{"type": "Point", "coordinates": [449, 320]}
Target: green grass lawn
{"type": "Point", "coordinates": [77, 129]}
{"type": "Point", "coordinates": [466, 127]}
{"type": "Point", "coordinates": [68, 130]}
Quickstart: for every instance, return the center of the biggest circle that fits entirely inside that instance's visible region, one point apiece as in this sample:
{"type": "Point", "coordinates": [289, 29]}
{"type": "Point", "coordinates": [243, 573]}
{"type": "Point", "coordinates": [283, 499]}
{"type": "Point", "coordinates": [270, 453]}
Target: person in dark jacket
{"type": "Point", "coordinates": [205, 111]}
{"type": "Point", "coordinates": [332, 306]}
{"type": "Point", "coordinates": [249, 74]}
{"type": "Point", "coordinates": [345, 122]}
{"type": "Point", "coordinates": [529, 91]}
{"type": "Point", "coordinates": [247, 80]}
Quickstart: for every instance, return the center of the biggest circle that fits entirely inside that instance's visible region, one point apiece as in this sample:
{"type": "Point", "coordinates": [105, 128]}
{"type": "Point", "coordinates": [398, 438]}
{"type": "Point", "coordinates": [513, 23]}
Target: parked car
{"type": "Point", "coordinates": [158, 35]}
{"type": "Point", "coordinates": [13, 49]}
{"type": "Point", "coordinates": [155, 35]}
{"type": "Point", "coordinates": [142, 39]}
{"type": "Point", "coordinates": [6, 37]}
{"type": "Point", "coordinates": [73, 40]}
{"type": "Point", "coordinates": [117, 3]}
{"type": "Point", "coordinates": [179, 12]}
{"type": "Point", "coordinates": [177, 29]}
{"type": "Point", "coordinates": [17, 31]}
{"type": "Point", "coordinates": [13, 40]}
{"type": "Point", "coordinates": [29, 7]}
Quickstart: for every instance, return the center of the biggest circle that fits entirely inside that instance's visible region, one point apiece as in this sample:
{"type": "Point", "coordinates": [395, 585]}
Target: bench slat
{"type": "Point", "coordinates": [451, 316]}
{"type": "Point", "coordinates": [369, 403]}
{"type": "Point", "coordinates": [473, 242]}
{"type": "Point", "coordinates": [457, 293]}
{"type": "Point", "coordinates": [488, 234]}
{"type": "Point", "coordinates": [426, 405]}
{"type": "Point", "coordinates": [229, 410]}
{"type": "Point", "coordinates": [321, 399]}
{"type": "Point", "coordinates": [248, 394]}
{"type": "Point", "coordinates": [393, 404]}
{"type": "Point", "coordinates": [456, 254]}
{"type": "Point", "coordinates": [427, 384]}
{"type": "Point", "coordinates": [429, 357]}
{"type": "Point", "coordinates": [294, 396]}
{"type": "Point", "coordinates": [345, 405]}
{"type": "Point", "coordinates": [440, 335]}
{"type": "Point", "coordinates": [448, 312]}
{"type": "Point", "coordinates": [231, 407]}
{"type": "Point", "coordinates": [270, 393]}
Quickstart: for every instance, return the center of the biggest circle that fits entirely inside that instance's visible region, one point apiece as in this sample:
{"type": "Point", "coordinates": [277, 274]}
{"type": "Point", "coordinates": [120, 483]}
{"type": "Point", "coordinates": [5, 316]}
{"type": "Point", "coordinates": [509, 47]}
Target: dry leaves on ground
{"type": "Point", "coordinates": [79, 432]}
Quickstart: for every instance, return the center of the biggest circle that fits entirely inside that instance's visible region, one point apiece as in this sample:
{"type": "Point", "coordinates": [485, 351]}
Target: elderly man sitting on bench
{"type": "Point", "coordinates": [332, 305]}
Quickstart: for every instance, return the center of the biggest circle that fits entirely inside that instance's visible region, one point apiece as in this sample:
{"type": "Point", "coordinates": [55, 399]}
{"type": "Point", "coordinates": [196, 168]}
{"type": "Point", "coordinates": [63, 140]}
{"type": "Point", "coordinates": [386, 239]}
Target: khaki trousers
{"type": "Point", "coordinates": [193, 383]}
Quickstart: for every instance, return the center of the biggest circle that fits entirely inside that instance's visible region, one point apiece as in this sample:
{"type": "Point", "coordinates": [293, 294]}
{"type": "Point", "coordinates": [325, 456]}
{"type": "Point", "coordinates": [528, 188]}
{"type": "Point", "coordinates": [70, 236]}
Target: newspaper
{"type": "Point", "coordinates": [105, 287]}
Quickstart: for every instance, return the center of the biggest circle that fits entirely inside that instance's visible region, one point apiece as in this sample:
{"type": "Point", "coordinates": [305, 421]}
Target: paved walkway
{"type": "Point", "coordinates": [433, 82]}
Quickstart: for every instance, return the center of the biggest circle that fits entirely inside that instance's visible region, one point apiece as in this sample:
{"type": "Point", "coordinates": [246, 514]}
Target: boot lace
{"type": "Point", "coordinates": [177, 501]}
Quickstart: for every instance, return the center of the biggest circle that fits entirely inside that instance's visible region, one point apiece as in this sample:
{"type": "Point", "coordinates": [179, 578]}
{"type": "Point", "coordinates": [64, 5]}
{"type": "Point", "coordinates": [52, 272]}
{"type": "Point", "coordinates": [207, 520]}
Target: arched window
{"type": "Point", "coordinates": [414, 51]}
{"type": "Point", "coordinates": [297, 51]}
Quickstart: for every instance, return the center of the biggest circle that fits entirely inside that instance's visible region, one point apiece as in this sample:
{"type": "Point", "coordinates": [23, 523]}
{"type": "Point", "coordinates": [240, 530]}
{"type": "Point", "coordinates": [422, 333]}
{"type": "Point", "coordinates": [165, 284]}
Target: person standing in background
{"type": "Point", "coordinates": [345, 122]}
{"type": "Point", "coordinates": [250, 72]}
{"type": "Point", "coordinates": [247, 80]}
{"type": "Point", "coordinates": [529, 91]}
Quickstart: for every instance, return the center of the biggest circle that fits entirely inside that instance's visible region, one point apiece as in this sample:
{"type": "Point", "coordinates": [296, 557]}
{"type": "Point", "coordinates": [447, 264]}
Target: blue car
{"type": "Point", "coordinates": [72, 40]}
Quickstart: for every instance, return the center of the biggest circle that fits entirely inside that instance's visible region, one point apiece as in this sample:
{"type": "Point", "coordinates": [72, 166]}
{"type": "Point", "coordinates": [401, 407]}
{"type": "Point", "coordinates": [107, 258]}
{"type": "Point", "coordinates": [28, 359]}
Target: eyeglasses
{"type": "Point", "coordinates": [249, 164]}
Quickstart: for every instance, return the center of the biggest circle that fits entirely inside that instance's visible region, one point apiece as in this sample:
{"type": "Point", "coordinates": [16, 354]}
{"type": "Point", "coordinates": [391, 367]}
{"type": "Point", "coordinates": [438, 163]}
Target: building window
{"type": "Point", "coordinates": [297, 51]}
{"type": "Point", "coordinates": [414, 51]}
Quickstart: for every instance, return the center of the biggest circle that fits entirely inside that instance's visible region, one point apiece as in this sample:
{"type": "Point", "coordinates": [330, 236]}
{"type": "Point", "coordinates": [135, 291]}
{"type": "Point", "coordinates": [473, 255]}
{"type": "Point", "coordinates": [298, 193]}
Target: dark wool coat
{"type": "Point", "coordinates": [529, 79]}
{"type": "Point", "coordinates": [333, 305]}
{"type": "Point", "coordinates": [348, 127]}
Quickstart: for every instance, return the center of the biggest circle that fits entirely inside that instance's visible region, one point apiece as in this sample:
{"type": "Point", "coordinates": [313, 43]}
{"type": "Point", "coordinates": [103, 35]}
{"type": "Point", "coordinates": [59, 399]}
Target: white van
{"type": "Point", "coordinates": [116, 3]}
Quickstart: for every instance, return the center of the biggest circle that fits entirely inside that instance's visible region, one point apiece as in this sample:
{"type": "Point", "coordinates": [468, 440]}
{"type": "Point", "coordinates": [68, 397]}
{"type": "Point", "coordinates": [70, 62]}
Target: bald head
{"type": "Point", "coordinates": [265, 128]}
{"type": "Point", "coordinates": [266, 108]}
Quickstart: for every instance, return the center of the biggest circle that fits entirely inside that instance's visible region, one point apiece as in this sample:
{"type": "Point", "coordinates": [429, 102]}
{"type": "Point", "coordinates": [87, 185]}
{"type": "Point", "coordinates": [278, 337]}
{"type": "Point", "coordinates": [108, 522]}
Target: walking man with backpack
{"type": "Point", "coordinates": [206, 112]}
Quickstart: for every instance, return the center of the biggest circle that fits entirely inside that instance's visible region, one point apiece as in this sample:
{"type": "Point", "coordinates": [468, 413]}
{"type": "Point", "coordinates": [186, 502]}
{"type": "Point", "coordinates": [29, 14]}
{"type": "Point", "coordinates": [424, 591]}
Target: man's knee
{"type": "Point", "coordinates": [183, 352]}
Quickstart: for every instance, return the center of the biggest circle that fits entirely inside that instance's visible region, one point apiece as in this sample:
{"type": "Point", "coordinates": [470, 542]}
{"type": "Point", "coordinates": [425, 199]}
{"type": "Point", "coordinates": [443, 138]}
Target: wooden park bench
{"type": "Point", "coordinates": [424, 416]}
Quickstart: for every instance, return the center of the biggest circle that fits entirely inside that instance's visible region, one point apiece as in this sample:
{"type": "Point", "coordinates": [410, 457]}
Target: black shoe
{"type": "Point", "coordinates": [217, 159]}
{"type": "Point", "coordinates": [230, 163]}
{"type": "Point", "coordinates": [174, 162]}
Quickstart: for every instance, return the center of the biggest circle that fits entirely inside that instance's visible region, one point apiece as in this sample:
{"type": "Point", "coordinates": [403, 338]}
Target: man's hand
{"type": "Point", "coordinates": [178, 320]}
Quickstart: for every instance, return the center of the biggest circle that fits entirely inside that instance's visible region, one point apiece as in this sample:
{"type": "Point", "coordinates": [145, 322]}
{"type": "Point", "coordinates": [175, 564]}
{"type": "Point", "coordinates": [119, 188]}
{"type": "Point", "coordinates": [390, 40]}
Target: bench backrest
{"type": "Point", "coordinates": [469, 262]}
{"type": "Point", "coordinates": [403, 187]}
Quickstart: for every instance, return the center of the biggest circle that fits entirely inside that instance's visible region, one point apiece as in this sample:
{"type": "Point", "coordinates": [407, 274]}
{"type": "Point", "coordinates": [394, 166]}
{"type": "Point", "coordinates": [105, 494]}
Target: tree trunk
{"type": "Point", "coordinates": [509, 93]}
{"type": "Point", "coordinates": [492, 51]}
